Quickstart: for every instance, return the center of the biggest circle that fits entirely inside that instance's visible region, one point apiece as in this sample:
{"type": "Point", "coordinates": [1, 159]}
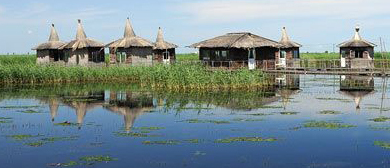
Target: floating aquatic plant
{"type": "Point", "coordinates": [206, 121]}
{"type": "Point", "coordinates": [289, 113]}
{"type": "Point", "coordinates": [133, 134]}
{"type": "Point", "coordinates": [330, 112]}
{"type": "Point", "coordinates": [98, 158]}
{"type": "Point", "coordinates": [22, 136]}
{"type": "Point", "coordinates": [167, 142]}
{"type": "Point", "coordinates": [327, 125]}
{"type": "Point", "coordinates": [245, 139]}
{"type": "Point", "coordinates": [35, 144]}
{"type": "Point", "coordinates": [195, 141]}
{"type": "Point", "coordinates": [380, 119]}
{"type": "Point", "coordinates": [53, 139]}
{"type": "Point", "coordinates": [259, 114]}
{"type": "Point", "coordinates": [383, 144]}
{"type": "Point", "coordinates": [66, 123]}
{"type": "Point", "coordinates": [148, 128]}
{"type": "Point", "coordinates": [247, 120]}
{"type": "Point", "coordinates": [19, 107]}
{"type": "Point", "coordinates": [30, 111]}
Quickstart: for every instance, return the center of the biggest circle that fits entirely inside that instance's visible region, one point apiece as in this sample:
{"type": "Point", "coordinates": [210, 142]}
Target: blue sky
{"type": "Point", "coordinates": [317, 24]}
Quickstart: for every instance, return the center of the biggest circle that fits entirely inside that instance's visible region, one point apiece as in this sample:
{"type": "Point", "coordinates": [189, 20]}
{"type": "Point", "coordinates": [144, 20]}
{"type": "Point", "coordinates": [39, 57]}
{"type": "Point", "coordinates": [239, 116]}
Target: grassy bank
{"type": "Point", "coordinates": [187, 57]}
{"type": "Point", "coordinates": [174, 77]}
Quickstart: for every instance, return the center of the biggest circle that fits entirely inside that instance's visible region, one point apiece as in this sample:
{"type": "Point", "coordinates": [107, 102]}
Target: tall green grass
{"type": "Point", "coordinates": [173, 77]}
{"type": "Point", "coordinates": [17, 59]}
{"type": "Point", "coordinates": [187, 57]}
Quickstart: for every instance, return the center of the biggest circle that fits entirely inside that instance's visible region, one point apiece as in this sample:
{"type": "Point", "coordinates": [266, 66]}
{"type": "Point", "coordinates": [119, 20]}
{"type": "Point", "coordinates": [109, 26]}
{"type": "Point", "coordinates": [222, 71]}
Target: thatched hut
{"type": "Point", "coordinates": [163, 51]}
{"type": "Point", "coordinates": [238, 47]}
{"type": "Point", "coordinates": [131, 49]}
{"type": "Point", "coordinates": [83, 51]}
{"type": "Point", "coordinates": [289, 51]}
{"type": "Point", "coordinates": [357, 52]}
{"type": "Point", "coordinates": [50, 51]}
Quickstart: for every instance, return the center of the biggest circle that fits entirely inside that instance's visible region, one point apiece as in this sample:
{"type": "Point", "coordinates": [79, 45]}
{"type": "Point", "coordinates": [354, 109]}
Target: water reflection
{"type": "Point", "coordinates": [116, 119]}
{"type": "Point", "coordinates": [288, 85]}
{"type": "Point", "coordinates": [357, 87]}
{"type": "Point", "coordinates": [130, 105]}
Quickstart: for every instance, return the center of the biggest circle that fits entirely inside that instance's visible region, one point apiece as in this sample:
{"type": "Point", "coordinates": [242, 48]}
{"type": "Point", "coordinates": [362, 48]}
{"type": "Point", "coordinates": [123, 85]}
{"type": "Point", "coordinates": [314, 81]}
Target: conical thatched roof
{"type": "Point", "coordinates": [81, 40]}
{"type": "Point", "coordinates": [161, 44]}
{"type": "Point", "coordinates": [53, 43]}
{"type": "Point", "coordinates": [237, 40]}
{"type": "Point", "coordinates": [357, 41]}
{"type": "Point", "coordinates": [286, 42]}
{"type": "Point", "coordinates": [130, 39]}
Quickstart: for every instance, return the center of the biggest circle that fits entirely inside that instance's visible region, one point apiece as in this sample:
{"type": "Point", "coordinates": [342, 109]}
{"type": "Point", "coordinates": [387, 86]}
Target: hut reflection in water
{"type": "Point", "coordinates": [357, 87]}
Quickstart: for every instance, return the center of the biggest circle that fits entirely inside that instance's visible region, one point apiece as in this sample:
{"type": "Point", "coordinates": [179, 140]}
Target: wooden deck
{"type": "Point", "coordinates": [331, 72]}
{"type": "Point", "coordinates": [329, 67]}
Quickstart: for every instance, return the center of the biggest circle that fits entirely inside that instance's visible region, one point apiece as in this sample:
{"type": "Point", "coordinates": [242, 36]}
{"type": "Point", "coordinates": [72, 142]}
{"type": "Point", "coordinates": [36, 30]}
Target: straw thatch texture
{"type": "Point", "coordinates": [237, 40]}
{"type": "Point", "coordinates": [286, 41]}
{"type": "Point", "coordinates": [130, 39]}
{"type": "Point", "coordinates": [54, 42]}
{"type": "Point", "coordinates": [161, 44]}
{"type": "Point", "coordinates": [356, 41]}
{"type": "Point", "coordinates": [82, 41]}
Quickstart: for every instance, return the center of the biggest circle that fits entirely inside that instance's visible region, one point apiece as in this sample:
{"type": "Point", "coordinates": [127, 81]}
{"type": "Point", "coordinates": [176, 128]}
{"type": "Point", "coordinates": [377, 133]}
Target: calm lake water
{"type": "Point", "coordinates": [307, 121]}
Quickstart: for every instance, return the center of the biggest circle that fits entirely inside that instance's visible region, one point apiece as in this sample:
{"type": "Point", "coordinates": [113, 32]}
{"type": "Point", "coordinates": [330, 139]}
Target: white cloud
{"type": "Point", "coordinates": [236, 10]}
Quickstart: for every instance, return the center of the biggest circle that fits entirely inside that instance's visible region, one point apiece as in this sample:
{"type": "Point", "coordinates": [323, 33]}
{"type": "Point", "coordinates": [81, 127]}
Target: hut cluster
{"type": "Point", "coordinates": [130, 49]}
{"type": "Point", "coordinates": [243, 47]}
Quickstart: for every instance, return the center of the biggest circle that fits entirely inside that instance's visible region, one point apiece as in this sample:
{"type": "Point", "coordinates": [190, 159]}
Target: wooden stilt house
{"type": "Point", "coordinates": [357, 52]}
{"type": "Point", "coordinates": [164, 51]}
{"type": "Point", "coordinates": [83, 51]}
{"type": "Point", "coordinates": [289, 51]}
{"type": "Point", "coordinates": [131, 49]}
{"type": "Point", "coordinates": [50, 51]}
{"type": "Point", "coordinates": [239, 49]}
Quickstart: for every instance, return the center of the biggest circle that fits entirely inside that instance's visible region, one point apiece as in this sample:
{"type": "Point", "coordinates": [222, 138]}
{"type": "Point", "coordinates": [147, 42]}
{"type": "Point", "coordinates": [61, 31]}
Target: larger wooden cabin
{"type": "Point", "coordinates": [244, 47]}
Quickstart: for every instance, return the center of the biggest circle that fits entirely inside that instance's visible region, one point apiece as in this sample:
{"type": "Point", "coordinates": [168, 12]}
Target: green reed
{"type": "Point", "coordinates": [172, 77]}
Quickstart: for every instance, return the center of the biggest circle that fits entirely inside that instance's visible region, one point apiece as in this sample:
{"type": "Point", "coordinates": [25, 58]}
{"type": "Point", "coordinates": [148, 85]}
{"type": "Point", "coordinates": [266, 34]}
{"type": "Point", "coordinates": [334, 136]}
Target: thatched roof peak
{"type": "Point", "coordinates": [80, 35]}
{"type": "Point", "coordinates": [160, 36]}
{"type": "Point", "coordinates": [237, 40]}
{"type": "Point", "coordinates": [81, 40]}
{"type": "Point", "coordinates": [286, 42]}
{"type": "Point", "coordinates": [130, 39]}
{"type": "Point", "coordinates": [129, 31]}
{"type": "Point", "coordinates": [160, 43]}
{"type": "Point", "coordinates": [54, 42]}
{"type": "Point", "coordinates": [357, 34]}
{"type": "Point", "coordinates": [53, 34]}
{"type": "Point", "coordinates": [357, 41]}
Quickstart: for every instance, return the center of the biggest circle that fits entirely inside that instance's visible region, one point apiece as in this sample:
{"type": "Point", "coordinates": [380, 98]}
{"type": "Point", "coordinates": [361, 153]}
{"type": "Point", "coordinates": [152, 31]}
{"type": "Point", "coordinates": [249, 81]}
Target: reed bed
{"type": "Point", "coordinates": [172, 77]}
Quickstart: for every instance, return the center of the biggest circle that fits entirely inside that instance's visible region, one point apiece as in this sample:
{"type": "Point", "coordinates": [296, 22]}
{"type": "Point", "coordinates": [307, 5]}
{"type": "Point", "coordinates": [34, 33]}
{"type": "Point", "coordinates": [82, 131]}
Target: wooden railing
{"type": "Point", "coordinates": [329, 65]}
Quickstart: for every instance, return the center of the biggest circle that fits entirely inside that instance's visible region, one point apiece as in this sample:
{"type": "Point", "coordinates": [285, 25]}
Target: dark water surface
{"type": "Point", "coordinates": [55, 126]}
